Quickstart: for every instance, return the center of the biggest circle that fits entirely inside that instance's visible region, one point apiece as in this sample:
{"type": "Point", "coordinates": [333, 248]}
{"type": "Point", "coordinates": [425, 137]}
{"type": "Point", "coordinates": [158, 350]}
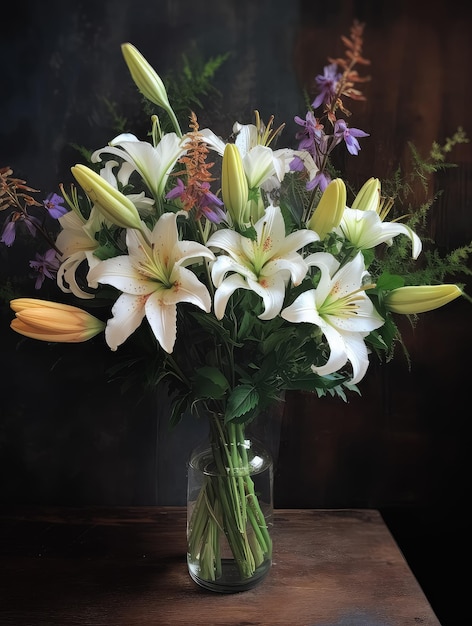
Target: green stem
{"type": "Point", "coordinates": [227, 503]}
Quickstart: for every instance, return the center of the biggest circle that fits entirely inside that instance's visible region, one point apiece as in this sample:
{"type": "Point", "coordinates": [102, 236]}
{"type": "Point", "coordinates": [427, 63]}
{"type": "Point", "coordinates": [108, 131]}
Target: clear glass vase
{"type": "Point", "coordinates": [229, 509]}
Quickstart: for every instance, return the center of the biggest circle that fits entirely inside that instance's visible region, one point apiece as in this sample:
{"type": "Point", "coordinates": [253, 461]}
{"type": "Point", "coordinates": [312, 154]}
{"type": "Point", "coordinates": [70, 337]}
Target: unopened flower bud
{"type": "Point", "coordinates": [412, 300]}
{"type": "Point", "coordinates": [368, 198]}
{"type": "Point", "coordinates": [234, 187]}
{"type": "Point", "coordinates": [145, 77]}
{"type": "Point", "coordinates": [330, 209]}
{"type": "Point", "coordinates": [148, 81]}
{"type": "Point", "coordinates": [53, 321]}
{"type": "Point", "coordinates": [111, 203]}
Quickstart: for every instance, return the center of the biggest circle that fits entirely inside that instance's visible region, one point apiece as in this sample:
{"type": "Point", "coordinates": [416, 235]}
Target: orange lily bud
{"type": "Point", "coordinates": [52, 321]}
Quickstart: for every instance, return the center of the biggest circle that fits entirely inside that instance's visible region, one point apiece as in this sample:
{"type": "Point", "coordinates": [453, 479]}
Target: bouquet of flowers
{"type": "Point", "coordinates": [235, 270]}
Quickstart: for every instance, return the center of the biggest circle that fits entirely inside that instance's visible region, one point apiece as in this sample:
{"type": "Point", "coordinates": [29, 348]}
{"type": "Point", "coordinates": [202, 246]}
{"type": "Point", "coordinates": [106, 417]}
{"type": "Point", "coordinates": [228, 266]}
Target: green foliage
{"type": "Point", "coordinates": [242, 400]}
{"type": "Point", "coordinates": [190, 86]}
{"type": "Point", "coordinates": [210, 383]}
{"type": "Point", "coordinates": [118, 122]}
{"type": "Point", "coordinates": [238, 365]}
{"type": "Point", "coordinates": [433, 267]}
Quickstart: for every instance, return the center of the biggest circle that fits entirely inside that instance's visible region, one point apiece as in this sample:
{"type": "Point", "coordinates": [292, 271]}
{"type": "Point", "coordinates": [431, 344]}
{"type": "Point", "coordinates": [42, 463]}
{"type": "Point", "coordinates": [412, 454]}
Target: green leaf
{"type": "Point", "coordinates": [376, 340]}
{"type": "Point", "coordinates": [210, 383]}
{"type": "Point", "coordinates": [250, 233]}
{"type": "Point", "coordinates": [179, 406]}
{"type": "Point", "coordinates": [246, 325]}
{"type": "Point", "coordinates": [388, 281]}
{"type": "Point", "coordinates": [315, 382]}
{"type": "Point", "coordinates": [242, 400]}
{"type": "Point", "coordinates": [210, 324]}
{"type": "Point", "coordinates": [369, 256]}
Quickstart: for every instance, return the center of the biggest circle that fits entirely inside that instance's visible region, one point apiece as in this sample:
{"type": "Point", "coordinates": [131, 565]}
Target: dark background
{"type": "Point", "coordinates": [67, 437]}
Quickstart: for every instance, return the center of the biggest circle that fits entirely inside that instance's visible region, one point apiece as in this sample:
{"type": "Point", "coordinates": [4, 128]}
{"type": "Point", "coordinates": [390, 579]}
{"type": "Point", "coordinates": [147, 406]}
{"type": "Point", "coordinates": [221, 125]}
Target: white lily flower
{"type": "Point", "coordinates": [341, 309]}
{"type": "Point", "coordinates": [365, 230]}
{"type": "Point", "coordinates": [153, 278]}
{"type": "Point", "coordinates": [264, 167]}
{"type": "Point", "coordinates": [77, 243]}
{"type": "Point", "coordinates": [153, 163]}
{"type": "Point", "coordinates": [77, 240]}
{"type": "Point", "coordinates": [363, 224]}
{"type": "Point", "coordinates": [264, 265]}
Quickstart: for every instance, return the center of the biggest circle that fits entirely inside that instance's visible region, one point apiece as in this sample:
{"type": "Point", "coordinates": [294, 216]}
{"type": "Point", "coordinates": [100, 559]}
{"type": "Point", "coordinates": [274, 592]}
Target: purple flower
{"type": "Point", "coordinates": [311, 133]}
{"type": "Point", "coordinates": [177, 191]}
{"type": "Point", "coordinates": [342, 131]}
{"type": "Point", "coordinates": [205, 202]}
{"type": "Point", "coordinates": [53, 204]}
{"type": "Point", "coordinates": [296, 164]}
{"type": "Point", "coordinates": [327, 84]}
{"type": "Point", "coordinates": [9, 232]}
{"type": "Point", "coordinates": [210, 205]}
{"type": "Point", "coordinates": [321, 180]}
{"type": "Point", "coordinates": [46, 266]}
{"type": "Point", "coordinates": [9, 228]}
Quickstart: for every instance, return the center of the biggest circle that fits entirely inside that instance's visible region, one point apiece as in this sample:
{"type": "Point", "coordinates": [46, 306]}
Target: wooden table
{"type": "Point", "coordinates": [127, 567]}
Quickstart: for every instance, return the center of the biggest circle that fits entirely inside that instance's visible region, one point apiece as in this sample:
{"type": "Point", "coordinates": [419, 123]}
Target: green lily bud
{"type": "Point", "coordinates": [111, 203]}
{"type": "Point", "coordinates": [330, 209]}
{"type": "Point", "coordinates": [368, 198]}
{"type": "Point", "coordinates": [53, 321]}
{"type": "Point", "coordinates": [234, 188]}
{"type": "Point", "coordinates": [421, 298]}
{"type": "Point", "coordinates": [148, 81]}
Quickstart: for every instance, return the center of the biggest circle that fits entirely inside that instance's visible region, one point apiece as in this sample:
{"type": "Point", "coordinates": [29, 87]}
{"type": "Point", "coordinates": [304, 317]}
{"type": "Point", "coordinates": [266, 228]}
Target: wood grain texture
{"type": "Point", "coordinates": [127, 567]}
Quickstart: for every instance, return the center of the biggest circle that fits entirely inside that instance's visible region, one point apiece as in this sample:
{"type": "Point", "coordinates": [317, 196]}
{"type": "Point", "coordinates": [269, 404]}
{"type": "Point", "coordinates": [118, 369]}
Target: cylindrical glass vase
{"type": "Point", "coordinates": [229, 510]}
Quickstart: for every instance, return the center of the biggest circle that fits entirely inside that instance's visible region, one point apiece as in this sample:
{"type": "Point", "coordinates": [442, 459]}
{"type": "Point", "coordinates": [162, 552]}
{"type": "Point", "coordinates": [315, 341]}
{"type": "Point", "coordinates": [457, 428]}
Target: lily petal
{"type": "Point", "coordinates": [154, 164]}
{"type": "Point", "coordinates": [153, 280]}
{"type": "Point", "coordinates": [365, 230]}
{"type": "Point", "coordinates": [341, 309]}
{"type": "Point", "coordinates": [264, 265]}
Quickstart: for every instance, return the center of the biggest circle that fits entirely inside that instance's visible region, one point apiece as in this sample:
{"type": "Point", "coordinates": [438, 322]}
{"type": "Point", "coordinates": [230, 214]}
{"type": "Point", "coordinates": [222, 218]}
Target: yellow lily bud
{"type": "Point", "coordinates": [52, 321]}
{"type": "Point", "coordinates": [421, 298]}
{"type": "Point", "coordinates": [234, 188]}
{"type": "Point", "coordinates": [330, 209]}
{"type": "Point", "coordinates": [368, 198]}
{"type": "Point", "coordinates": [112, 204]}
{"type": "Point", "coordinates": [148, 81]}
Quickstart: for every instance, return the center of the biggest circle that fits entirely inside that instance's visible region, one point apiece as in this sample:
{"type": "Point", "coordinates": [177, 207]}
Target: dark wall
{"type": "Point", "coordinates": [67, 437]}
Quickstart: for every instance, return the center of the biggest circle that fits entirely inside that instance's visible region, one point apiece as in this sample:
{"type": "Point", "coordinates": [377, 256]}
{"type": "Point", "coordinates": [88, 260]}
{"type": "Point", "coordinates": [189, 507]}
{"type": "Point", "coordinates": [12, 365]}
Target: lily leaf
{"type": "Point", "coordinates": [389, 281]}
{"type": "Point", "coordinates": [243, 399]}
{"type": "Point", "coordinates": [210, 383]}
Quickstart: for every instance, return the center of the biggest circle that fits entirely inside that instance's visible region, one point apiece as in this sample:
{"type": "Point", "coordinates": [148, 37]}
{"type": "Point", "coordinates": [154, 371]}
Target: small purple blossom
{"type": "Point", "coordinates": [177, 191]}
{"type": "Point", "coordinates": [342, 131]}
{"type": "Point", "coordinates": [9, 228]}
{"type": "Point", "coordinates": [8, 233]}
{"type": "Point", "coordinates": [296, 164]}
{"type": "Point", "coordinates": [210, 205]}
{"type": "Point", "coordinates": [327, 84]}
{"type": "Point", "coordinates": [53, 204]}
{"type": "Point", "coordinates": [311, 133]}
{"type": "Point", "coordinates": [321, 180]}
{"type": "Point", "coordinates": [46, 266]}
